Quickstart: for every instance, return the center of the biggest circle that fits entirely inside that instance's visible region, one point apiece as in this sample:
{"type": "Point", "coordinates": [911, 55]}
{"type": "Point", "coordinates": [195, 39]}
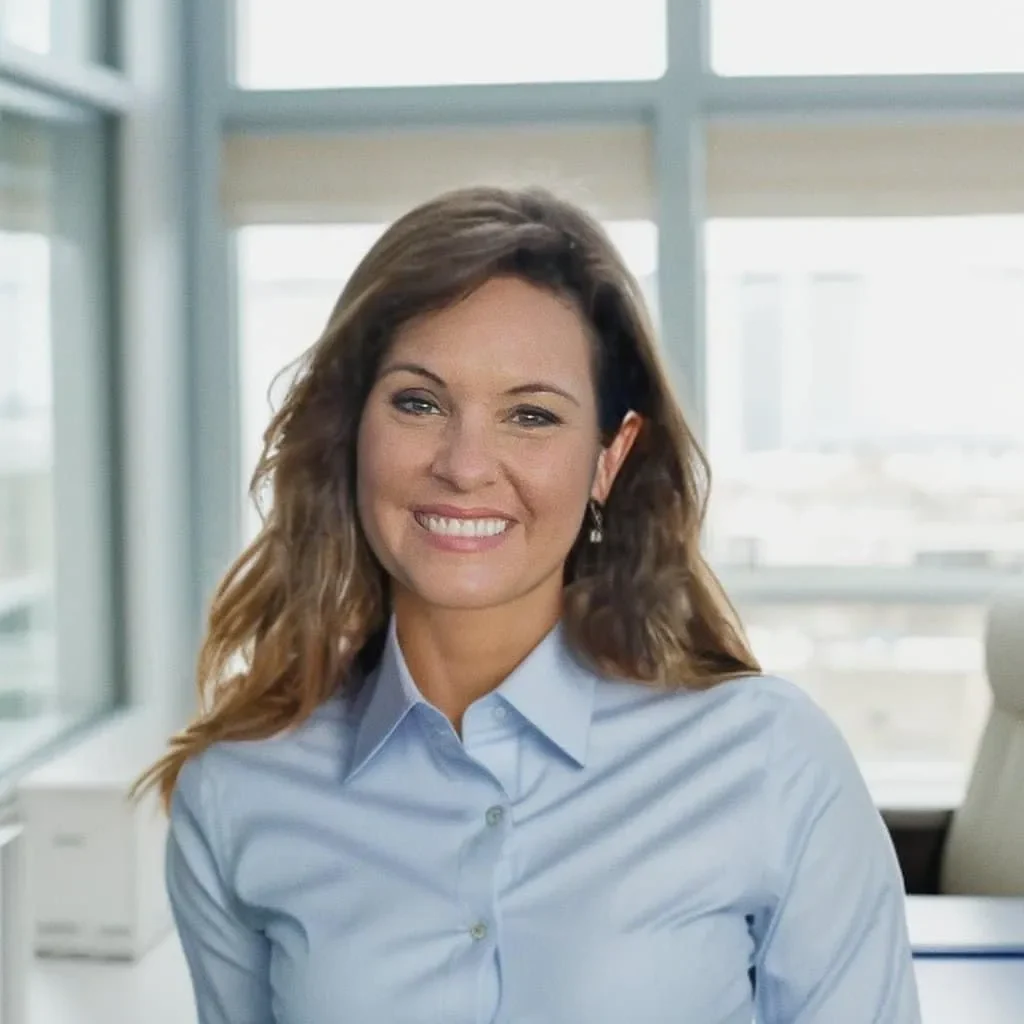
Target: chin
{"type": "Point", "coordinates": [465, 595]}
{"type": "Point", "coordinates": [463, 598]}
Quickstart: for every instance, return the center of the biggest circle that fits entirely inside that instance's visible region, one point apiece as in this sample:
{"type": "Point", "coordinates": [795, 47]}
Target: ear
{"type": "Point", "coordinates": [610, 461]}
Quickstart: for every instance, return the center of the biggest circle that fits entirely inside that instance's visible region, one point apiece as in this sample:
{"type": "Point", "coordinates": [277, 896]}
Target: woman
{"type": "Point", "coordinates": [482, 738]}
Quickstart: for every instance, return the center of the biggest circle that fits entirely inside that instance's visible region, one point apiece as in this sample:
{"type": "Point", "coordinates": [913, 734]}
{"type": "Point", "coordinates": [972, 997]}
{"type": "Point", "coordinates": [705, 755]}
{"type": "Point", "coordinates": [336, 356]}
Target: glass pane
{"type": "Point", "coordinates": [310, 44]}
{"type": "Point", "coordinates": [905, 683]}
{"type": "Point", "coordinates": [75, 29]}
{"type": "Point", "coordinates": [850, 37]}
{"type": "Point", "coordinates": [864, 392]}
{"type": "Point", "coordinates": [48, 177]}
{"type": "Point", "coordinates": [289, 277]}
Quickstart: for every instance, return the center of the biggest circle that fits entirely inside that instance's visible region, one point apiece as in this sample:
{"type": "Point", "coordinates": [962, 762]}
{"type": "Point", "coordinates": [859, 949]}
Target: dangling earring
{"type": "Point", "coordinates": [597, 525]}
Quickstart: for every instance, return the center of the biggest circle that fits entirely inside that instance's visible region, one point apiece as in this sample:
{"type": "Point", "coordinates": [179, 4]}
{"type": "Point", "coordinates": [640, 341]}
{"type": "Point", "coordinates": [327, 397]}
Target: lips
{"type": "Point", "coordinates": [454, 512]}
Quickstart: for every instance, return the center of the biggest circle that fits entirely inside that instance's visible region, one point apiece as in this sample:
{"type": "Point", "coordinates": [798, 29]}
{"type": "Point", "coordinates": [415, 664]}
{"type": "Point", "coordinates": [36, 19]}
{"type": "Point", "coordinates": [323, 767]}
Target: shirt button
{"type": "Point", "coordinates": [494, 815]}
{"type": "Point", "coordinates": [500, 711]}
{"type": "Point", "coordinates": [478, 931]}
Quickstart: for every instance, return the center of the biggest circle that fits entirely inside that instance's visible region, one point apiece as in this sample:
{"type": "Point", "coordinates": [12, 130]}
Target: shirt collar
{"type": "Point", "coordinates": [550, 689]}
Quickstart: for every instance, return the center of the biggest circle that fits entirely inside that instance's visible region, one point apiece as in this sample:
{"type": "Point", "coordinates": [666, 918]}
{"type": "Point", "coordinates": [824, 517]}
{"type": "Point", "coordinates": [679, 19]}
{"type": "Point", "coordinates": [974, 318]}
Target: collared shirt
{"type": "Point", "coordinates": [590, 851]}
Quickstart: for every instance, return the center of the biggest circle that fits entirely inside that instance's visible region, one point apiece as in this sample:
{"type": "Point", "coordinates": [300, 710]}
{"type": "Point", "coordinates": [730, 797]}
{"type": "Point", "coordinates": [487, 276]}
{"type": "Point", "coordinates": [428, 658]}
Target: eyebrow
{"type": "Point", "coordinates": [538, 387]}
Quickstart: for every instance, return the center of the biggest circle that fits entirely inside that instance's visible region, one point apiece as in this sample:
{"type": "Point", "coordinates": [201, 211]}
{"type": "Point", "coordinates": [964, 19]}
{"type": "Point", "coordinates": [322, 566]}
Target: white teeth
{"type": "Point", "coordinates": [463, 527]}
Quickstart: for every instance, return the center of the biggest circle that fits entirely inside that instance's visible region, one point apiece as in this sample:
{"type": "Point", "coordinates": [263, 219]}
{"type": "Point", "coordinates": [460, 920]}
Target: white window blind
{"type": "Point", "coordinates": [373, 177]}
{"type": "Point", "coordinates": [754, 170]}
{"type": "Point", "coordinates": [859, 169]}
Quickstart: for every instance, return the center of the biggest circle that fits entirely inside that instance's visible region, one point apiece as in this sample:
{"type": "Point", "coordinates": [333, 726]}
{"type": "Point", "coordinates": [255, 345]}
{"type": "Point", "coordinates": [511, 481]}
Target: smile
{"type": "Point", "coordinates": [444, 526]}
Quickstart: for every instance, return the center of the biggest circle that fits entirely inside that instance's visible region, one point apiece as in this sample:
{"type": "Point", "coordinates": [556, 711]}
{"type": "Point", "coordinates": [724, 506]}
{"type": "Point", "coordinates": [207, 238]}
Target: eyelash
{"type": "Point", "coordinates": [409, 403]}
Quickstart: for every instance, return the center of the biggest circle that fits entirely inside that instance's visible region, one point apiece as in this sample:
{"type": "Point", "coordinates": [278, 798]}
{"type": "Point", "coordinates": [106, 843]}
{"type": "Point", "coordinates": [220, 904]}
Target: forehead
{"type": "Point", "coordinates": [506, 330]}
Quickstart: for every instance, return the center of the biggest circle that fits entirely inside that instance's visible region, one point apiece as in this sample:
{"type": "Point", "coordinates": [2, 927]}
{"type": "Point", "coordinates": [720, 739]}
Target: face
{"type": "Point", "coordinates": [478, 449]}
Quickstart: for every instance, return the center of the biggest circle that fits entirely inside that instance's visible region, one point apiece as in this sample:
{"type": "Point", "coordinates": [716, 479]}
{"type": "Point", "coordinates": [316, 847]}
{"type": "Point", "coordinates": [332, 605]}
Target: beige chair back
{"type": "Point", "coordinates": [984, 852]}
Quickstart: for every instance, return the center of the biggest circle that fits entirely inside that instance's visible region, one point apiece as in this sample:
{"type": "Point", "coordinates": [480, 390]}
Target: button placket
{"type": "Point", "coordinates": [486, 734]}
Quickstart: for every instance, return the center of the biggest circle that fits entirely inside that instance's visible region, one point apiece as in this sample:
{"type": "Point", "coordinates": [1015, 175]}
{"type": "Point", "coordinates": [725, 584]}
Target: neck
{"type": "Point", "coordinates": [457, 656]}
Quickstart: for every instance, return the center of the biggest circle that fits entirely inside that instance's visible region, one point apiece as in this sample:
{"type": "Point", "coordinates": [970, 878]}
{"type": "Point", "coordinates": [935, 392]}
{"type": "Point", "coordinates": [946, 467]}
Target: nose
{"type": "Point", "coordinates": [466, 457]}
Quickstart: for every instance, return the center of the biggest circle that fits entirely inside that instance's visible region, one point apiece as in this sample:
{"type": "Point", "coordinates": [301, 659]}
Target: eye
{"type": "Point", "coordinates": [531, 416]}
{"type": "Point", "coordinates": [414, 404]}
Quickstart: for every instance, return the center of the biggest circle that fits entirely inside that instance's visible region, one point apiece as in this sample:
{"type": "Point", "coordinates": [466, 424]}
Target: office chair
{"type": "Point", "coordinates": [984, 851]}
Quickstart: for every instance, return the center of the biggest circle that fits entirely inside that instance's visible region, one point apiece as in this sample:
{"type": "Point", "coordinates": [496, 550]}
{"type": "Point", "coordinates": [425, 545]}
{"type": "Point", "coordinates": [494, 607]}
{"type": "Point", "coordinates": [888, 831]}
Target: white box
{"type": "Point", "coordinates": [95, 860]}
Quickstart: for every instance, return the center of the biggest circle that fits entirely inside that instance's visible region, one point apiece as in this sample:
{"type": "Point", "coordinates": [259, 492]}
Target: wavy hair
{"type": "Point", "coordinates": [302, 612]}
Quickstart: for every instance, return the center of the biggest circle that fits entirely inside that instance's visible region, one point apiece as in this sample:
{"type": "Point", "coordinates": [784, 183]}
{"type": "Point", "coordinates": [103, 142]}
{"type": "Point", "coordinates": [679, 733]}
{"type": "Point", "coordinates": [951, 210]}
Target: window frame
{"type": "Point", "coordinates": [82, 590]}
{"type": "Point", "coordinates": [128, 617]}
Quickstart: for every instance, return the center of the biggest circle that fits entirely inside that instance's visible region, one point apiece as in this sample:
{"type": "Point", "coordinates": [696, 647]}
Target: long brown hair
{"type": "Point", "coordinates": [302, 611]}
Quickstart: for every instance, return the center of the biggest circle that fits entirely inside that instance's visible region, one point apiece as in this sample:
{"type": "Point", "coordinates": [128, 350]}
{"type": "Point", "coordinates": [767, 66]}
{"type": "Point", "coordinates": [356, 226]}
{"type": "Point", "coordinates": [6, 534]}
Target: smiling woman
{"type": "Point", "coordinates": [434, 443]}
{"type": "Point", "coordinates": [473, 436]}
{"type": "Point", "coordinates": [482, 736]}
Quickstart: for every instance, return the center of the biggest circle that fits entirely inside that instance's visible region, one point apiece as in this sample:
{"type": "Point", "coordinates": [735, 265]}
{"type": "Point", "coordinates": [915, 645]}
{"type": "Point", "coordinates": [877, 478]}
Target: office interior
{"type": "Point", "coordinates": [824, 206]}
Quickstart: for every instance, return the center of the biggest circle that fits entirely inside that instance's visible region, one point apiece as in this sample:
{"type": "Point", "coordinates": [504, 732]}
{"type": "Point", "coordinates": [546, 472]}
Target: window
{"type": "Point", "coordinates": [72, 29]}
{"type": "Point", "coordinates": [27, 641]}
{"type": "Point", "coordinates": [848, 37]}
{"type": "Point", "coordinates": [289, 279]}
{"type": "Point", "coordinates": [847, 425]}
{"type": "Point", "coordinates": [310, 44]}
{"type": "Point", "coordinates": [53, 600]}
{"type": "Point", "coordinates": [864, 413]}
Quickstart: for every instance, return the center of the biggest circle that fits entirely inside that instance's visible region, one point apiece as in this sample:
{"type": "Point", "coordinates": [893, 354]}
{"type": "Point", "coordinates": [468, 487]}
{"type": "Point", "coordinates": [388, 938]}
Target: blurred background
{"type": "Point", "coordinates": [824, 204]}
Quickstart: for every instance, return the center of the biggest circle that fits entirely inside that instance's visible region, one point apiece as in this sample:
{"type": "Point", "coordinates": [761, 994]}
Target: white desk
{"type": "Point", "coordinates": [966, 926]}
{"type": "Point", "coordinates": [973, 990]}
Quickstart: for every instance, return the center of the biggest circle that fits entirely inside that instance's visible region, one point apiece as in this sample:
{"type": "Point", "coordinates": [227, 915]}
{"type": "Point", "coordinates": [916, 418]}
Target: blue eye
{"type": "Point", "coordinates": [415, 405]}
{"type": "Point", "coordinates": [532, 417]}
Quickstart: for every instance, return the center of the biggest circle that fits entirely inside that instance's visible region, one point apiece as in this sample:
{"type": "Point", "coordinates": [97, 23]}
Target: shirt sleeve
{"type": "Point", "coordinates": [833, 946]}
{"type": "Point", "coordinates": [227, 958]}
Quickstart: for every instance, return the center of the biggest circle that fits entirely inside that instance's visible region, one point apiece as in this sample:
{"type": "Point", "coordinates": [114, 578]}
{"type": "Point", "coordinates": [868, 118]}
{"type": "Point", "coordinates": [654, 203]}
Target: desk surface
{"type": "Point", "coordinates": [972, 990]}
{"type": "Point", "coordinates": [966, 926]}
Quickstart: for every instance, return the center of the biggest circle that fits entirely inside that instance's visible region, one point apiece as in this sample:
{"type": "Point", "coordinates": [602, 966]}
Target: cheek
{"type": "Point", "coordinates": [558, 484]}
{"type": "Point", "coordinates": [385, 460]}
{"type": "Point", "coordinates": [374, 477]}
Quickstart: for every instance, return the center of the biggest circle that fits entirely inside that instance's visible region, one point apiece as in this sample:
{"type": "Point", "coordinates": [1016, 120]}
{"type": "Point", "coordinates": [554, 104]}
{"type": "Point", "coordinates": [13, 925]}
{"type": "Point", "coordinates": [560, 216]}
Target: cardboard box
{"type": "Point", "coordinates": [95, 860]}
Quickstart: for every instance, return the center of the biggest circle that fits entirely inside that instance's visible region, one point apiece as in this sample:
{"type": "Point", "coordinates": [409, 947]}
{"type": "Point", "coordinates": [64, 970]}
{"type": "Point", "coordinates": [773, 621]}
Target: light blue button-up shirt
{"type": "Point", "coordinates": [591, 851]}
